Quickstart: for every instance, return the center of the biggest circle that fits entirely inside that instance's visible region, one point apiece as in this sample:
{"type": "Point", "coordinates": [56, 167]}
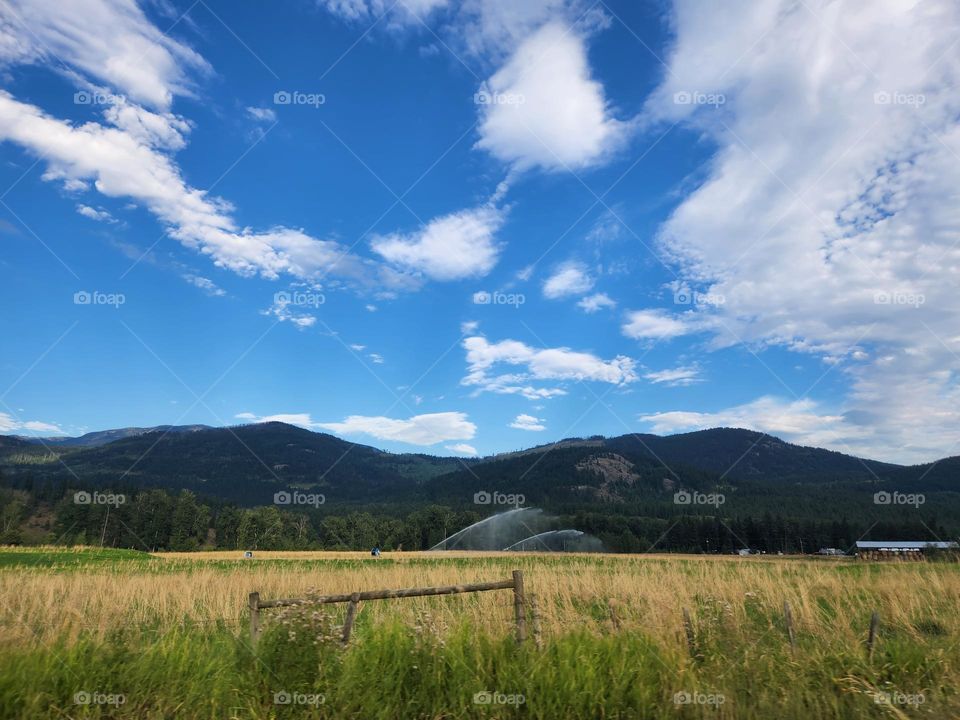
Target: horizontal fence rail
{"type": "Point", "coordinates": [515, 584]}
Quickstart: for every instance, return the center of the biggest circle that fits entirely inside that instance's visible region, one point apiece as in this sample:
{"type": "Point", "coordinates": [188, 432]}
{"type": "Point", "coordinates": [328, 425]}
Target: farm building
{"type": "Point", "coordinates": [903, 550]}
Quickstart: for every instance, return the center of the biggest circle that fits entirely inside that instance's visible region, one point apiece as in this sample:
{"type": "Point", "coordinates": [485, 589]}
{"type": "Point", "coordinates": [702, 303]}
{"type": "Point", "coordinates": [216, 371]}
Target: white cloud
{"type": "Point", "coordinates": [205, 284]}
{"type": "Point", "coordinates": [259, 114]}
{"type": "Point", "coordinates": [299, 419]}
{"type": "Point", "coordinates": [280, 309]}
{"type": "Point", "coordinates": [528, 422]}
{"type": "Point", "coordinates": [834, 184]}
{"type": "Point", "coordinates": [570, 278]}
{"type": "Point", "coordinates": [469, 327]}
{"type": "Point", "coordinates": [676, 376]}
{"type": "Point", "coordinates": [376, 358]}
{"type": "Point", "coordinates": [545, 110]}
{"type": "Point", "coordinates": [111, 40]}
{"type": "Point", "coordinates": [462, 449]}
{"type": "Point", "coordinates": [552, 364]}
{"type": "Point", "coordinates": [418, 430]}
{"type": "Point", "coordinates": [798, 421]}
{"type": "Point", "coordinates": [402, 15]}
{"type": "Point", "coordinates": [450, 247]}
{"type": "Point", "coordinates": [494, 28]}
{"type": "Point", "coordinates": [122, 166]}
{"type": "Point", "coordinates": [656, 325]}
{"type": "Point", "coordinates": [596, 302]}
{"type": "Point", "coordinates": [94, 214]}
{"type": "Point", "coordinates": [11, 424]}
{"type": "Point", "coordinates": [358, 348]}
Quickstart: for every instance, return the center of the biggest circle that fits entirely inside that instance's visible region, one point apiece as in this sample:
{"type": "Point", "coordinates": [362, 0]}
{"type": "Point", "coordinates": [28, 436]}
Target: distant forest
{"type": "Point", "coordinates": [158, 520]}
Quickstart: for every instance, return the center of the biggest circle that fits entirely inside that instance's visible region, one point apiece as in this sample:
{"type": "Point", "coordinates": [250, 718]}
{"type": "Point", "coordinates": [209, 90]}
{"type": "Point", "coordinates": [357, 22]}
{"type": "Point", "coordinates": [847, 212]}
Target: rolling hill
{"type": "Point", "coordinates": [248, 463]}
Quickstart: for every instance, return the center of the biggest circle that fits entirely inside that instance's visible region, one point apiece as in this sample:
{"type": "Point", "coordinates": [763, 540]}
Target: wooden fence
{"type": "Point", "coordinates": [520, 600]}
{"type": "Point", "coordinates": [515, 584]}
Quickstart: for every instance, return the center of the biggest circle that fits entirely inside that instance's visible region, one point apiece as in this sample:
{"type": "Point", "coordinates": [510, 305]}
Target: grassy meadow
{"type": "Point", "coordinates": [121, 634]}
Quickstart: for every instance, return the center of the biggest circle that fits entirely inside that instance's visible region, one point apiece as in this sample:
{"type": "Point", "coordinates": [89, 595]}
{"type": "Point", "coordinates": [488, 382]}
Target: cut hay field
{"type": "Point", "coordinates": [111, 634]}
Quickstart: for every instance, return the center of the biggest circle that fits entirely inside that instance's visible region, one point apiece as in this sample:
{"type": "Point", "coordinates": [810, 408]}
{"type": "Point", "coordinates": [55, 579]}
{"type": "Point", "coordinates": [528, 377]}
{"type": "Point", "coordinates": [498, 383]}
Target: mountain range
{"type": "Point", "coordinates": [247, 464]}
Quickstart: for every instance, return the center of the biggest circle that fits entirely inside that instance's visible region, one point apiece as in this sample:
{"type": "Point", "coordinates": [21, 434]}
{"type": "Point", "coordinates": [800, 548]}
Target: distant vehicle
{"type": "Point", "coordinates": [375, 552]}
{"type": "Point", "coordinates": [248, 554]}
{"type": "Point", "coordinates": [830, 551]}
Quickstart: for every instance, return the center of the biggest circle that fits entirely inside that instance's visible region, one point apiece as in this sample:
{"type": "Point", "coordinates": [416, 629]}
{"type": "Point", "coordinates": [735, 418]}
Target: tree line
{"type": "Point", "coordinates": [158, 520]}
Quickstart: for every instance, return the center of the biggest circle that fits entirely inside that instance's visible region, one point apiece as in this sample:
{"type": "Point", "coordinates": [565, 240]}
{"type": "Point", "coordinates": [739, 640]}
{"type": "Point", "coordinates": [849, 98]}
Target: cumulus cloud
{"type": "Point", "coordinates": [400, 15]}
{"type": "Point", "coordinates": [11, 424]}
{"type": "Point", "coordinates": [451, 247]}
{"type": "Point", "coordinates": [462, 449]}
{"type": "Point", "coordinates": [281, 310]}
{"type": "Point", "coordinates": [569, 278]}
{"type": "Point", "coordinates": [543, 108]}
{"type": "Point", "coordinates": [675, 377]}
{"type": "Point", "coordinates": [428, 429]}
{"type": "Point", "coordinates": [528, 422]}
{"type": "Point", "coordinates": [299, 419]}
{"type": "Point", "coordinates": [120, 165]}
{"type": "Point", "coordinates": [799, 421]}
{"type": "Point", "coordinates": [553, 364]}
{"type": "Point", "coordinates": [129, 153]}
{"type": "Point", "coordinates": [828, 216]}
{"type": "Point", "coordinates": [266, 115]}
{"type": "Point", "coordinates": [205, 284]}
{"type": "Point", "coordinates": [656, 325]}
{"type": "Point", "coordinates": [110, 40]}
{"type": "Point", "coordinates": [594, 303]}
{"type": "Point", "coordinates": [94, 214]}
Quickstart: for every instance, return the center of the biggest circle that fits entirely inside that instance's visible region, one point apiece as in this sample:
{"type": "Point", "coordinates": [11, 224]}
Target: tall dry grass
{"type": "Point", "coordinates": [829, 599]}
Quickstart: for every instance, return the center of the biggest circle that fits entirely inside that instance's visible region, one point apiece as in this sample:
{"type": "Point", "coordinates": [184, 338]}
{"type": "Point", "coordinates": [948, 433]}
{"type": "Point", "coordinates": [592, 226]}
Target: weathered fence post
{"type": "Point", "coordinates": [871, 638]}
{"type": "Point", "coordinates": [691, 637]}
{"type": "Point", "coordinates": [788, 618]}
{"type": "Point", "coordinates": [254, 601]}
{"type": "Point", "coordinates": [518, 606]}
{"type": "Point", "coordinates": [535, 618]}
{"type": "Point", "coordinates": [351, 614]}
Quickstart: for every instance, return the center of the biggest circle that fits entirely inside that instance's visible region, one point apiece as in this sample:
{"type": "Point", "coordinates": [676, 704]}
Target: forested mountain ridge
{"type": "Point", "coordinates": [246, 464]}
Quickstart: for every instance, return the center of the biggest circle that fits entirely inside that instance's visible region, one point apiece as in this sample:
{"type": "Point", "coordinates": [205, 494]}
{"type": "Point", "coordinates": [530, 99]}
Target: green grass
{"type": "Point", "coordinates": [67, 558]}
{"type": "Point", "coordinates": [433, 670]}
{"type": "Point", "coordinates": [393, 672]}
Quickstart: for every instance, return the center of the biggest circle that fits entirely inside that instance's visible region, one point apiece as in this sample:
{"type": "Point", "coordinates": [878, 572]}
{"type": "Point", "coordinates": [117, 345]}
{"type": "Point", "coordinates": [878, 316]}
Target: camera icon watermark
{"type": "Point", "coordinates": [685, 497]}
{"type": "Point", "coordinates": [83, 697]}
{"type": "Point", "coordinates": [898, 498]}
{"type": "Point", "coordinates": [298, 298]}
{"type": "Point", "coordinates": [295, 97]}
{"type": "Point", "coordinates": [498, 498]}
{"type": "Point", "coordinates": [485, 97]}
{"type": "Point", "coordinates": [685, 697]}
{"type": "Point", "coordinates": [899, 297]}
{"type": "Point", "coordinates": [492, 697]}
{"type": "Point", "coordinates": [84, 297]}
{"type": "Point", "coordinates": [298, 498]}
{"type": "Point", "coordinates": [894, 97]}
{"type": "Point", "coordinates": [98, 498]}
{"type": "Point", "coordinates": [695, 97]}
{"type": "Point", "coordinates": [284, 697]}
{"type": "Point", "coordinates": [95, 97]}
{"type": "Point", "coordinates": [882, 697]}
{"type": "Point", "coordinates": [685, 296]}
{"type": "Point", "coordinates": [483, 297]}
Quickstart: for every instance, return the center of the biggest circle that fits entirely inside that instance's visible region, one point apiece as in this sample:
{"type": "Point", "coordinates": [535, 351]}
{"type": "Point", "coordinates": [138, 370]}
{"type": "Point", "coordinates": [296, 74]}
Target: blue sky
{"type": "Point", "coordinates": [465, 226]}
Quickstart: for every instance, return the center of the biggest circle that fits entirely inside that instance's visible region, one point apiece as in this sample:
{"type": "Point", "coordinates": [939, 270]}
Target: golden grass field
{"type": "Point", "coordinates": [169, 632]}
{"type": "Point", "coordinates": [829, 597]}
